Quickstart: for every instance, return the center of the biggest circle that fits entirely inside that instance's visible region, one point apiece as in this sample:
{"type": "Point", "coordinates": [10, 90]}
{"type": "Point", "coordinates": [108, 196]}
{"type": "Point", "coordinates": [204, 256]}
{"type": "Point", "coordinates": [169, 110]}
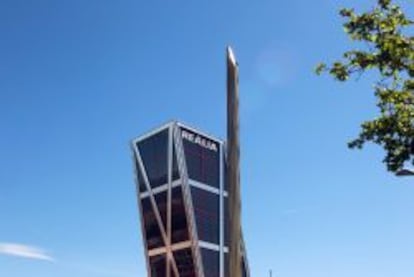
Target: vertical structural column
{"type": "Point", "coordinates": [233, 170]}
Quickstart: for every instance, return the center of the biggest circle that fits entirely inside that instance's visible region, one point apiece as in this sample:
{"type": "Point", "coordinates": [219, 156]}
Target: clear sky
{"type": "Point", "coordinates": [79, 79]}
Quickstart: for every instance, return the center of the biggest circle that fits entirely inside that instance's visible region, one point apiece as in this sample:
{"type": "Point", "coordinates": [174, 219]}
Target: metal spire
{"type": "Point", "coordinates": [233, 165]}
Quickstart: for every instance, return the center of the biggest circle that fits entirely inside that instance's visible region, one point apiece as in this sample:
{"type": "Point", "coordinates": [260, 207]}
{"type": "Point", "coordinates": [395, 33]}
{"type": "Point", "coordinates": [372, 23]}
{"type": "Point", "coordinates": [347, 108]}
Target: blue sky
{"type": "Point", "coordinates": [79, 79]}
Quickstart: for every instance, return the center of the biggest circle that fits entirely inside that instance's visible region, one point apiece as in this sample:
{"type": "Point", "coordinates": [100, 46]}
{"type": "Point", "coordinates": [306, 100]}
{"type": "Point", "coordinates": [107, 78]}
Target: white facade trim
{"type": "Point", "coordinates": [203, 186]}
{"type": "Point", "coordinates": [174, 247]}
{"type": "Point", "coordinates": [209, 245]}
{"type": "Point", "coordinates": [159, 189]}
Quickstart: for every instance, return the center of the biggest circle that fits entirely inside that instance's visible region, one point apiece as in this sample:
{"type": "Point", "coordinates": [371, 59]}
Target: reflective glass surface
{"type": "Point", "coordinates": [140, 178]}
{"type": "Point", "coordinates": [154, 154]}
{"type": "Point", "coordinates": [203, 163]}
{"type": "Point", "coordinates": [158, 266]}
{"type": "Point", "coordinates": [211, 262]}
{"type": "Point", "coordinates": [206, 208]}
{"type": "Point", "coordinates": [152, 230]}
{"type": "Point", "coordinates": [175, 172]}
{"type": "Point", "coordinates": [161, 200]}
{"type": "Point", "coordinates": [179, 230]}
{"type": "Point", "coordinates": [184, 260]}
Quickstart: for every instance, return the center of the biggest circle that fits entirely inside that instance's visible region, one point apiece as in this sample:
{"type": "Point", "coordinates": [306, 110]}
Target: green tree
{"type": "Point", "coordinates": [389, 49]}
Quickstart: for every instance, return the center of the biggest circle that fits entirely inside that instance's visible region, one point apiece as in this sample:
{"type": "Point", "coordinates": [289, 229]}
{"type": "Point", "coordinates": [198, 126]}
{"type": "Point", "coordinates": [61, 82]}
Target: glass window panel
{"type": "Point", "coordinates": [141, 183]}
{"type": "Point", "coordinates": [179, 230]}
{"type": "Point", "coordinates": [175, 172]}
{"type": "Point", "coordinates": [211, 167]}
{"type": "Point", "coordinates": [154, 152]}
{"type": "Point", "coordinates": [161, 200]}
{"type": "Point", "coordinates": [211, 262]}
{"type": "Point", "coordinates": [152, 230]}
{"type": "Point", "coordinates": [184, 260]}
{"type": "Point", "coordinates": [193, 160]}
{"type": "Point", "coordinates": [206, 208]}
{"type": "Point", "coordinates": [158, 266]}
{"type": "Point", "coordinates": [203, 163]}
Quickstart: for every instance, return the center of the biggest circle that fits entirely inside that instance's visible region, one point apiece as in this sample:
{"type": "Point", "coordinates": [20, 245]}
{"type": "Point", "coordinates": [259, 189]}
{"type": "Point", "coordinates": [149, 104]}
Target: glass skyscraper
{"type": "Point", "coordinates": [182, 196]}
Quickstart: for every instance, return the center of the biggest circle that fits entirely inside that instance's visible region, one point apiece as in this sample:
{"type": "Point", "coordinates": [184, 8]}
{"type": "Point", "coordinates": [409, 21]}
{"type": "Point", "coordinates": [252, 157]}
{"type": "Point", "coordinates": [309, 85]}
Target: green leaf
{"type": "Point", "coordinates": [389, 49]}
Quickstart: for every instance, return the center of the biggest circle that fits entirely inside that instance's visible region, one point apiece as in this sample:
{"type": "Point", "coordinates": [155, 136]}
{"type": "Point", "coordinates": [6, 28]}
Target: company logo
{"type": "Point", "coordinates": [197, 139]}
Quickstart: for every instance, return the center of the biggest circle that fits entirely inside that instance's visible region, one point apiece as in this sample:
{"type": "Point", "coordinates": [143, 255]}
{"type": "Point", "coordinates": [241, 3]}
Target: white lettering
{"type": "Point", "coordinates": [197, 139]}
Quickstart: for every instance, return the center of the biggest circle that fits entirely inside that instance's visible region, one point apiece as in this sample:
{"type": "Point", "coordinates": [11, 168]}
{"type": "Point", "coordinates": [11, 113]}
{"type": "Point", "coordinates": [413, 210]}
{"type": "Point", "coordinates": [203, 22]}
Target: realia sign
{"type": "Point", "coordinates": [197, 139]}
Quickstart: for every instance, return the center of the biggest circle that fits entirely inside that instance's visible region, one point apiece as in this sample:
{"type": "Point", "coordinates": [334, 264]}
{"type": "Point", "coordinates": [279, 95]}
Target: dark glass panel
{"type": "Point", "coordinates": [203, 163]}
{"type": "Point", "coordinates": [154, 152]}
{"type": "Point", "coordinates": [211, 168]}
{"type": "Point", "coordinates": [175, 172]}
{"type": "Point", "coordinates": [152, 230]}
{"type": "Point", "coordinates": [161, 200]}
{"type": "Point", "coordinates": [141, 182]}
{"type": "Point", "coordinates": [179, 230]}
{"type": "Point", "coordinates": [211, 262]}
{"type": "Point", "coordinates": [158, 266]}
{"type": "Point", "coordinates": [193, 160]}
{"type": "Point", "coordinates": [185, 264]}
{"type": "Point", "coordinates": [206, 208]}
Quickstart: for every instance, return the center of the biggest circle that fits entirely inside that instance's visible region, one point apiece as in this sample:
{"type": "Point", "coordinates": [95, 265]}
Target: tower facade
{"type": "Point", "coordinates": [183, 202]}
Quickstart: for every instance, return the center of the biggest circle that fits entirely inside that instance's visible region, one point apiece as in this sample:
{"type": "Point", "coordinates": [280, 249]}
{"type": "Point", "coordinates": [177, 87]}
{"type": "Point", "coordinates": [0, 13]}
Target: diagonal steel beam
{"type": "Point", "coordinates": [169, 256]}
